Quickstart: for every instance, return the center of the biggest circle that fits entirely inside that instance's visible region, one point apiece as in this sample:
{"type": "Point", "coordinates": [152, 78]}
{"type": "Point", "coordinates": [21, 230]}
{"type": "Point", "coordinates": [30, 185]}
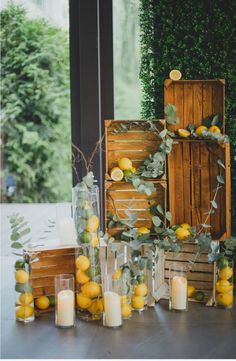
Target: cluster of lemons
{"type": "Point", "coordinates": [124, 169]}
{"type": "Point", "coordinates": [89, 296]}
{"type": "Point", "coordinates": [224, 285]}
{"type": "Point", "coordinates": [90, 234]}
{"type": "Point", "coordinates": [184, 133]}
{"type": "Point", "coordinates": [183, 232]}
{"type": "Point", "coordinates": [25, 304]}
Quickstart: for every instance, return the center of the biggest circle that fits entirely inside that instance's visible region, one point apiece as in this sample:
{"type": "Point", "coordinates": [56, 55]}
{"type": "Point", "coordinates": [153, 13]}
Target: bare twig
{"type": "Point", "coordinates": [89, 161]}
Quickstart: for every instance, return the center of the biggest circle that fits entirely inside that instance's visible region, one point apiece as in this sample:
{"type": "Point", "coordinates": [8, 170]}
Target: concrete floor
{"type": "Point", "coordinates": [157, 333]}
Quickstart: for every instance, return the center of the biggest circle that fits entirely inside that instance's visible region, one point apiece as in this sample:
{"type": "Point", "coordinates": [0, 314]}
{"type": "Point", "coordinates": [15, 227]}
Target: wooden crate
{"type": "Point", "coordinates": [121, 196]}
{"type": "Point", "coordinates": [201, 276]}
{"type": "Point", "coordinates": [192, 172]}
{"type": "Point", "coordinates": [136, 143]}
{"type": "Point", "coordinates": [45, 265]}
{"type": "Point", "coordinates": [195, 100]}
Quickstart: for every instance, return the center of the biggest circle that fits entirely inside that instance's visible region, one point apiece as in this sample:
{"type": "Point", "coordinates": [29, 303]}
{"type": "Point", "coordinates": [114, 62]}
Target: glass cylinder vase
{"type": "Point", "coordinates": [65, 301]}
{"type": "Point", "coordinates": [139, 280]}
{"type": "Point", "coordinates": [24, 306]}
{"type": "Point", "coordinates": [178, 287]}
{"type": "Point", "coordinates": [224, 283]}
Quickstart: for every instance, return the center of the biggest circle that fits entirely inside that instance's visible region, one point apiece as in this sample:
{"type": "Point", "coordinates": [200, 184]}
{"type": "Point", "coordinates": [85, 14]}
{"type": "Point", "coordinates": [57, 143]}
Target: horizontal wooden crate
{"type": "Point", "coordinates": [122, 196]}
{"type": "Point", "coordinates": [136, 143]}
{"type": "Point", "coordinates": [45, 265]}
{"type": "Point", "coordinates": [201, 276]}
{"type": "Point", "coordinates": [192, 178]}
{"type": "Point", "coordinates": [195, 100]}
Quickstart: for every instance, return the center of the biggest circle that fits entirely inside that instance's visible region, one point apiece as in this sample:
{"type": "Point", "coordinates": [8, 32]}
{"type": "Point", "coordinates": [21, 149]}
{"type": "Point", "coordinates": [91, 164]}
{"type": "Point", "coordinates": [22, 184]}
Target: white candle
{"type": "Point", "coordinates": [65, 308]}
{"type": "Point", "coordinates": [112, 308]}
{"type": "Point", "coordinates": [179, 293]}
{"type": "Point", "coordinates": [66, 231]}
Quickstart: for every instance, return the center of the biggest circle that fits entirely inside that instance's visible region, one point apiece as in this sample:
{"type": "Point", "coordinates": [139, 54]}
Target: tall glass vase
{"type": "Point", "coordinates": [224, 283]}
{"type": "Point", "coordinates": [89, 302]}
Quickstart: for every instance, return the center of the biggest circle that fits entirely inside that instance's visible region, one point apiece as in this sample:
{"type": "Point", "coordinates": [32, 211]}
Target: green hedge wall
{"type": "Point", "coordinates": [199, 39]}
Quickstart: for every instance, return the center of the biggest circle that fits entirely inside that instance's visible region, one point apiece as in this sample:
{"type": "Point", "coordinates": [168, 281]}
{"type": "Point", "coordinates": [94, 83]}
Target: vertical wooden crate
{"type": "Point", "coordinates": [136, 143]}
{"type": "Point", "coordinates": [192, 179]}
{"type": "Point", "coordinates": [45, 265]}
{"type": "Point", "coordinates": [195, 100]}
{"type": "Point", "coordinates": [122, 196]}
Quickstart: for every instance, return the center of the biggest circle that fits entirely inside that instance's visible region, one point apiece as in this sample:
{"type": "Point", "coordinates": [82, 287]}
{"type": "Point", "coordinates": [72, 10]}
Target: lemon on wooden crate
{"type": "Point", "coordinates": [26, 298]}
{"type": "Point", "coordinates": [225, 299]}
{"type": "Point", "coordinates": [143, 230]}
{"type": "Point", "coordinates": [137, 302]}
{"type": "Point", "coordinates": [133, 170]}
{"type": "Point", "coordinates": [128, 173]}
{"type": "Point", "coordinates": [117, 174]}
{"type": "Point", "coordinates": [91, 289]}
{"type": "Point", "coordinates": [200, 130]}
{"type": "Point", "coordinates": [42, 302]}
{"type": "Point", "coordinates": [92, 224]}
{"type": "Point", "coordinates": [83, 301]}
{"type": "Point", "coordinates": [125, 164]}
{"type": "Point", "coordinates": [185, 226]}
{"type": "Point", "coordinates": [175, 74]}
{"type": "Point", "coordinates": [191, 291]}
{"type": "Point", "coordinates": [24, 312]}
{"type": "Point", "coordinates": [117, 274]}
{"type": "Point", "coordinates": [82, 277]}
{"type": "Point", "coordinates": [223, 286]}
{"type": "Point", "coordinates": [214, 129]}
{"type": "Point", "coordinates": [21, 276]}
{"type": "Point", "coordinates": [182, 233]}
{"type": "Point", "coordinates": [184, 133]}
{"type": "Point", "coordinates": [82, 263]}
{"type": "Point", "coordinates": [141, 290]}
{"type": "Point", "coordinates": [126, 310]}
{"type": "Point", "coordinates": [226, 273]}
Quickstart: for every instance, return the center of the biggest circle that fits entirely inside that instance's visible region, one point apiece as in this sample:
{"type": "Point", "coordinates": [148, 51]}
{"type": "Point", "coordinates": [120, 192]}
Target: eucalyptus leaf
{"type": "Point", "coordinates": [220, 179]}
{"type": "Point", "coordinates": [214, 204]}
{"type": "Point", "coordinates": [168, 216]}
{"type": "Point", "coordinates": [16, 245]}
{"type": "Point", "coordinates": [221, 163]}
{"type": "Point", "coordinates": [156, 221]}
{"type": "Point", "coordinates": [160, 209]}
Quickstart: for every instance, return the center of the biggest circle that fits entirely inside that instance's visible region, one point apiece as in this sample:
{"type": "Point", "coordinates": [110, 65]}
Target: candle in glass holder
{"type": "Point", "coordinates": [179, 293]}
{"type": "Point", "coordinates": [65, 300]}
{"type": "Point", "coordinates": [112, 309]}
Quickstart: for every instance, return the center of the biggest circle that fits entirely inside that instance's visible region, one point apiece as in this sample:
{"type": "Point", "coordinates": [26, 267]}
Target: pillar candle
{"type": "Point", "coordinates": [65, 308]}
{"type": "Point", "coordinates": [179, 293]}
{"type": "Point", "coordinates": [112, 308]}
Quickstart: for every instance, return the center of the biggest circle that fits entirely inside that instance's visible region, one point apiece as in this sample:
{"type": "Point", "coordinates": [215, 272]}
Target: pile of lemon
{"type": "Point", "coordinates": [25, 303]}
{"type": "Point", "coordinates": [126, 309]}
{"type": "Point", "coordinates": [224, 284]}
{"type": "Point", "coordinates": [183, 232]}
{"type": "Point", "coordinates": [184, 133]}
{"type": "Point", "coordinates": [124, 169]}
{"type": "Point", "coordinates": [89, 295]}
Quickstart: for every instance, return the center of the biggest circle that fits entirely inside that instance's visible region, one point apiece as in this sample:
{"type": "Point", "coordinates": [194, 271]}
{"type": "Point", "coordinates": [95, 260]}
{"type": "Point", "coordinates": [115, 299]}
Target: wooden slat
{"type": "Point", "coordinates": [188, 105]}
{"type": "Point", "coordinates": [47, 291]}
{"type": "Point", "coordinates": [187, 183]}
{"type": "Point", "coordinates": [194, 276]}
{"type": "Point", "coordinates": [199, 267]}
{"type": "Point", "coordinates": [197, 104]}
{"type": "Point", "coordinates": [48, 261]}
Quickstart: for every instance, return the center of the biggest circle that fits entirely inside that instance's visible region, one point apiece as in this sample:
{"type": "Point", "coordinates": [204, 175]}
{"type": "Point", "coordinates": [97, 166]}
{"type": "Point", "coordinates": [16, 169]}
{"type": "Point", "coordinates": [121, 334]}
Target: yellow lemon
{"type": "Point", "coordinates": [117, 174]}
{"type": "Point", "coordinates": [143, 230]}
{"type": "Point", "coordinates": [185, 226]}
{"type": "Point", "coordinates": [137, 302]}
{"type": "Point", "coordinates": [82, 263]}
{"type": "Point", "coordinates": [184, 133]}
{"type": "Point", "coordinates": [175, 74]}
{"type": "Point", "coordinates": [141, 290]}
{"type": "Point", "coordinates": [133, 169]}
{"type": "Point", "coordinates": [214, 129]}
{"type": "Point", "coordinates": [95, 240]}
{"type": "Point", "coordinates": [21, 276]}
{"type": "Point", "coordinates": [24, 312]}
{"type": "Point", "coordinates": [224, 286]}
{"type": "Point", "coordinates": [191, 291]}
{"type": "Point", "coordinates": [42, 302]}
{"type": "Point", "coordinates": [199, 131]}
{"type": "Point", "coordinates": [182, 233]}
{"type": "Point", "coordinates": [117, 274]}
{"type": "Point", "coordinates": [126, 310]}
{"type": "Point", "coordinates": [26, 298]}
{"type": "Point", "coordinates": [123, 299]}
{"type": "Point", "coordinates": [83, 301]}
{"type": "Point", "coordinates": [92, 224]}
{"type": "Point", "coordinates": [81, 277]}
{"type": "Point", "coordinates": [96, 306]}
{"type": "Point", "coordinates": [225, 299]}
{"type": "Point", "coordinates": [226, 273]}
{"type": "Point", "coordinates": [91, 289]}
{"type": "Point", "coordinates": [125, 163]}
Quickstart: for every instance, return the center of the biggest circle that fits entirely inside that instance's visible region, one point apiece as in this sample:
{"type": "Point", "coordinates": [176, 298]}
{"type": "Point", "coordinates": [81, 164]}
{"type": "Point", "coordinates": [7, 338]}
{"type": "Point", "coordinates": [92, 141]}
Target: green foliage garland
{"type": "Point", "coordinates": [196, 38]}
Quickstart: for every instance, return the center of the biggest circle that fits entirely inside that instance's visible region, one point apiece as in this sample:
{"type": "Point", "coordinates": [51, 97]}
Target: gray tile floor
{"type": "Point", "coordinates": [157, 333]}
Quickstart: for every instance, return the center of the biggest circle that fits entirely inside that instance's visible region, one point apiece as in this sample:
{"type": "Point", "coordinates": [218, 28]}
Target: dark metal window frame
{"type": "Point", "coordinates": [91, 64]}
